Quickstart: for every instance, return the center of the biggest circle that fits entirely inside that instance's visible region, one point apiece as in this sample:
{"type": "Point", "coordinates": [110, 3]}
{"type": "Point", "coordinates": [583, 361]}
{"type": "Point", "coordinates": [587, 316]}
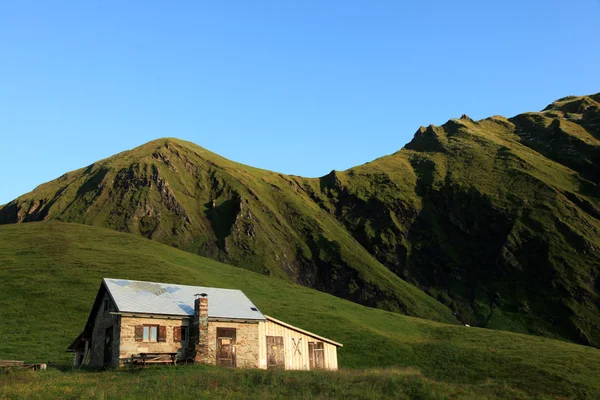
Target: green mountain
{"type": "Point", "coordinates": [493, 223]}
{"type": "Point", "coordinates": [50, 272]}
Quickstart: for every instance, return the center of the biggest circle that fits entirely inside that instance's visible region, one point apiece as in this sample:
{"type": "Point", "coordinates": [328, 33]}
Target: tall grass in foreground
{"type": "Point", "coordinates": [206, 382]}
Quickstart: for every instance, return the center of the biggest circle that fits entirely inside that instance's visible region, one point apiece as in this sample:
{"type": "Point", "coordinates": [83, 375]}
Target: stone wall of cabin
{"type": "Point", "coordinates": [125, 347]}
{"type": "Point", "coordinates": [130, 348]}
{"type": "Point", "coordinates": [247, 343]}
{"type": "Point", "coordinates": [247, 348]}
{"type": "Point", "coordinates": [103, 321]}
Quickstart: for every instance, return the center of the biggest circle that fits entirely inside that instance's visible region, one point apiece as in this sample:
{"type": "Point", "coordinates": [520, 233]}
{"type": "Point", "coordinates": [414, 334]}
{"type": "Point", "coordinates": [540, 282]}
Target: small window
{"type": "Point", "coordinates": [184, 333]}
{"type": "Point", "coordinates": [106, 304]}
{"type": "Point", "coordinates": [150, 333]}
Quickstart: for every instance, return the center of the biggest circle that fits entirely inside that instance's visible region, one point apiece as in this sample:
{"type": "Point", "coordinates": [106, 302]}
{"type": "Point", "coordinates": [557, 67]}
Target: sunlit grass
{"type": "Point", "coordinates": [203, 382]}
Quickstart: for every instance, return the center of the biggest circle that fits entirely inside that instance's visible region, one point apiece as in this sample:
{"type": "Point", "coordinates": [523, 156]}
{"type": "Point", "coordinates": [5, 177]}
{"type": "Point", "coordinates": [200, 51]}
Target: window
{"type": "Point", "coordinates": [106, 304]}
{"type": "Point", "coordinates": [150, 333]}
{"type": "Point", "coordinates": [180, 334]}
{"type": "Point", "coordinates": [184, 333]}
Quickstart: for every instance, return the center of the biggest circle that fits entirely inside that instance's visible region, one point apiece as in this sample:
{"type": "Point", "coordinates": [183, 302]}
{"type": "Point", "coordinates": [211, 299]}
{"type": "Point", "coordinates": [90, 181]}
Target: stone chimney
{"type": "Point", "coordinates": [199, 331]}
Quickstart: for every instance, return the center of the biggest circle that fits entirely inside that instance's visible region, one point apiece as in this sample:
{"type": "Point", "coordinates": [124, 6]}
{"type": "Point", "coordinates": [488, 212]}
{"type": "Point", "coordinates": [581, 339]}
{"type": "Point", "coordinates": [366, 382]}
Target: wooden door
{"type": "Point", "coordinates": [275, 358]}
{"type": "Point", "coordinates": [316, 355]}
{"type": "Point", "coordinates": [226, 347]}
{"type": "Point", "coordinates": [108, 347]}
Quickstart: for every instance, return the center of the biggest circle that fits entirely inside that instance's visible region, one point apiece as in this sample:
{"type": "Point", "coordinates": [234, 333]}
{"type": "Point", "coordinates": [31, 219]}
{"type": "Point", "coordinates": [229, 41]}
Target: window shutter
{"type": "Point", "coordinates": [177, 334]}
{"type": "Point", "coordinates": [139, 333]}
{"type": "Point", "coordinates": [162, 333]}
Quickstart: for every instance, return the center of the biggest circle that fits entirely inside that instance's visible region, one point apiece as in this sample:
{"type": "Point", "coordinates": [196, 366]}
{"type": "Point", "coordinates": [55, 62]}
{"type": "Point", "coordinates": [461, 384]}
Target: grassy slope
{"type": "Point", "coordinates": [50, 271]}
{"type": "Point", "coordinates": [183, 195]}
{"type": "Point", "coordinates": [506, 225]}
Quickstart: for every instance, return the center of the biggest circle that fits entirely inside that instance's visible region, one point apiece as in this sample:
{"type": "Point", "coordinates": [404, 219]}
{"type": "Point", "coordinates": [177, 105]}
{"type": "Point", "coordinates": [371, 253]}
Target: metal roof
{"type": "Point", "coordinates": [170, 299]}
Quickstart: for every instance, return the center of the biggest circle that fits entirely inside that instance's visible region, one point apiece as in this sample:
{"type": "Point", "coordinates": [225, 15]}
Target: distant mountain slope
{"type": "Point", "coordinates": [497, 219]}
{"type": "Point", "coordinates": [182, 195]}
{"type": "Point", "coordinates": [50, 272]}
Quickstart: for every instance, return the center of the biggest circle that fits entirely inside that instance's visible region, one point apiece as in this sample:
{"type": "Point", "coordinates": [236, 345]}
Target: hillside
{"type": "Point", "coordinates": [496, 221]}
{"type": "Point", "coordinates": [182, 195]}
{"type": "Point", "coordinates": [50, 271]}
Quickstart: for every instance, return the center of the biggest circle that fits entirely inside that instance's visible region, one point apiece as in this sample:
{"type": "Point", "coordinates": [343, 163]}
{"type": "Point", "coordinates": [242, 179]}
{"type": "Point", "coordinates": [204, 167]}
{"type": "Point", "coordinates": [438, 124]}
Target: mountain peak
{"type": "Point", "coordinates": [170, 141]}
{"type": "Point", "coordinates": [574, 104]}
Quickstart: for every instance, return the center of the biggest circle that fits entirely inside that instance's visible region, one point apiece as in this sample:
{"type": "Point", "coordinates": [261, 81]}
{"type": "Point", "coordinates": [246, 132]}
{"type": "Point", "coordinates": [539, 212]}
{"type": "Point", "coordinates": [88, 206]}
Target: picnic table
{"type": "Point", "coordinates": [157, 357]}
{"type": "Point", "coordinates": [11, 363]}
{"type": "Point", "coordinates": [20, 364]}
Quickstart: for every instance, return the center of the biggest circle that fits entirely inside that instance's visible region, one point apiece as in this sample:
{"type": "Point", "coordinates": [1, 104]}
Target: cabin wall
{"type": "Point", "coordinates": [246, 349]}
{"type": "Point", "coordinates": [331, 361]}
{"type": "Point", "coordinates": [130, 348]}
{"type": "Point", "coordinates": [247, 342]}
{"type": "Point", "coordinates": [295, 346]}
{"type": "Point", "coordinates": [104, 320]}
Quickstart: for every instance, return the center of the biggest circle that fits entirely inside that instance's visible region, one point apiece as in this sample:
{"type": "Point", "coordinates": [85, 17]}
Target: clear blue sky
{"type": "Point", "coordinates": [299, 87]}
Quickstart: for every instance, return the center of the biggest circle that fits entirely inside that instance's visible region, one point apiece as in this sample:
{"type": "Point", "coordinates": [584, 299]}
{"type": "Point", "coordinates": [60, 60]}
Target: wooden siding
{"type": "Point", "coordinates": [295, 347]}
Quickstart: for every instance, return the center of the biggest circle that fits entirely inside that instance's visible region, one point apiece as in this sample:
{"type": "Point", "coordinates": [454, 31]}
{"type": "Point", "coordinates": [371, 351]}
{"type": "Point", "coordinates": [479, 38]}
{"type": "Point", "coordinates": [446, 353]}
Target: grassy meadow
{"type": "Point", "coordinates": [205, 382]}
{"type": "Point", "coordinates": [50, 272]}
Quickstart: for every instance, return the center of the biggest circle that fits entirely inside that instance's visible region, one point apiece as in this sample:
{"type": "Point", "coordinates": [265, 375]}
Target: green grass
{"type": "Point", "coordinates": [180, 194]}
{"type": "Point", "coordinates": [50, 272]}
{"type": "Point", "coordinates": [204, 382]}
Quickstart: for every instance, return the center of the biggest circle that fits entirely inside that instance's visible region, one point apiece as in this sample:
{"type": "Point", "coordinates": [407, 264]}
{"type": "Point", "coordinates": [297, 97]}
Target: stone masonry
{"type": "Point", "coordinates": [200, 329]}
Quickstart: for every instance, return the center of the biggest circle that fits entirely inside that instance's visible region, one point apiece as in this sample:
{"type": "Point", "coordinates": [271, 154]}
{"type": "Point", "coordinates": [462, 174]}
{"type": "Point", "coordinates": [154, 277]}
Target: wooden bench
{"type": "Point", "coordinates": [11, 363]}
{"type": "Point", "coordinates": [158, 358]}
{"type": "Point", "coordinates": [21, 364]}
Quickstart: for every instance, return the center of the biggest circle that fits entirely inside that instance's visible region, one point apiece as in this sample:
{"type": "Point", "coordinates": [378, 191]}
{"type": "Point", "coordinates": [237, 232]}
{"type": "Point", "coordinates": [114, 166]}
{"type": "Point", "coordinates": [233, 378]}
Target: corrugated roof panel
{"type": "Point", "coordinates": [171, 299]}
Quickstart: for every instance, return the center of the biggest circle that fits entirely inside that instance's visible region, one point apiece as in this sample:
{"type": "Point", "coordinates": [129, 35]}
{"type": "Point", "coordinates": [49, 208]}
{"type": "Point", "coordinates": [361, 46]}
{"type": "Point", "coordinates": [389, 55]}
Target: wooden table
{"type": "Point", "coordinates": [21, 364]}
{"type": "Point", "coordinates": [145, 358]}
{"type": "Point", "coordinates": [11, 363]}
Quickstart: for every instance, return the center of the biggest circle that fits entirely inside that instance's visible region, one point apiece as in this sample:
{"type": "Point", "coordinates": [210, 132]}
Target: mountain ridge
{"type": "Point", "coordinates": [497, 220]}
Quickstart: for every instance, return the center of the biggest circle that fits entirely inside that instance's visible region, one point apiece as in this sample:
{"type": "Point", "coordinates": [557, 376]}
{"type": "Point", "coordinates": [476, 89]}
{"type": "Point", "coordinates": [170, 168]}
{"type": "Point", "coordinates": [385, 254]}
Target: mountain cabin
{"type": "Point", "coordinates": [136, 322]}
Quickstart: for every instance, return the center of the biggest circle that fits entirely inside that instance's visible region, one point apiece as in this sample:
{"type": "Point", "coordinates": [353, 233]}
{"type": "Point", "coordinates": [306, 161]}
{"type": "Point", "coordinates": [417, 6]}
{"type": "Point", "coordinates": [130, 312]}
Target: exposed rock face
{"type": "Point", "coordinates": [498, 220]}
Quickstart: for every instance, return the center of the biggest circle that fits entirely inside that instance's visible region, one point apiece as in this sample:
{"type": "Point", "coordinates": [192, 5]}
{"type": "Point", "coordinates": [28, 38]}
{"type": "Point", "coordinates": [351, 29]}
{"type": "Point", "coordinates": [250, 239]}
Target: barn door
{"type": "Point", "coordinates": [275, 352]}
{"type": "Point", "coordinates": [226, 347]}
{"type": "Point", "coordinates": [316, 355]}
{"type": "Point", "coordinates": [108, 346]}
